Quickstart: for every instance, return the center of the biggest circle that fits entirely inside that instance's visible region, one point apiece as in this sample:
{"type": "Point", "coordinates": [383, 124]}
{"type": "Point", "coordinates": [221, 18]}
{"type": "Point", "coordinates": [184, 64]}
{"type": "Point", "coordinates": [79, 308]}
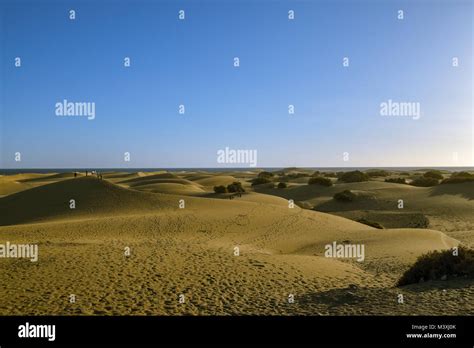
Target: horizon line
{"type": "Point", "coordinates": [233, 168]}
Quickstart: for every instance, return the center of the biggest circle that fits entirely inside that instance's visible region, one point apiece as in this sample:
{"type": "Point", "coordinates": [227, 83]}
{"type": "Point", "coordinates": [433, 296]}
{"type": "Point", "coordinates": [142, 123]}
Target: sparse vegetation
{"type": "Point", "coordinates": [345, 196]}
{"type": "Point", "coordinates": [353, 176]}
{"type": "Point", "coordinates": [297, 175]}
{"type": "Point", "coordinates": [462, 175]}
{"type": "Point", "coordinates": [265, 174]}
{"type": "Point", "coordinates": [440, 265]}
{"type": "Point", "coordinates": [260, 181]}
{"type": "Point", "coordinates": [435, 174]}
{"type": "Point", "coordinates": [235, 187]}
{"type": "Point", "coordinates": [420, 221]}
{"type": "Point", "coordinates": [291, 176]}
{"type": "Point", "coordinates": [424, 182]}
{"type": "Point", "coordinates": [282, 185]}
{"type": "Point", "coordinates": [283, 179]}
{"type": "Point", "coordinates": [396, 180]}
{"type": "Point", "coordinates": [370, 223]}
{"type": "Point", "coordinates": [319, 180]}
{"type": "Point", "coordinates": [377, 172]}
{"type": "Point", "coordinates": [459, 177]}
{"type": "Point", "coordinates": [231, 188]}
{"type": "Point", "coordinates": [220, 189]}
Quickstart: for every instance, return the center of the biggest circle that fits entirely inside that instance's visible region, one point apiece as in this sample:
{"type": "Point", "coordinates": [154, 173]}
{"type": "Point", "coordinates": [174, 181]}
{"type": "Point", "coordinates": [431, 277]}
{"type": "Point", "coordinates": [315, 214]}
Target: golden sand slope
{"type": "Point", "coordinates": [52, 177]}
{"type": "Point", "coordinates": [93, 197]}
{"type": "Point", "coordinates": [18, 182]}
{"type": "Point", "coordinates": [448, 207]}
{"type": "Point", "coordinates": [170, 188]}
{"type": "Point", "coordinates": [191, 251]}
{"type": "Point", "coordinates": [216, 180]}
{"type": "Point", "coordinates": [141, 178]}
{"type": "Point", "coordinates": [163, 183]}
{"type": "Point", "coordinates": [139, 183]}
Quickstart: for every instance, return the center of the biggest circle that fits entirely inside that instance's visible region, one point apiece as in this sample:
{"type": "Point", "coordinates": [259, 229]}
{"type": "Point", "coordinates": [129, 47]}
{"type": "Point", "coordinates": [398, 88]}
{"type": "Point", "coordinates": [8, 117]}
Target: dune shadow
{"type": "Point", "coordinates": [359, 204]}
{"type": "Point", "coordinates": [452, 283]}
{"type": "Point", "coordinates": [465, 190]}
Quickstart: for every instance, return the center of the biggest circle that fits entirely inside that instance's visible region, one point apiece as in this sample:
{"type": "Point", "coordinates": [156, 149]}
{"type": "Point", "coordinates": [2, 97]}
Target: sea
{"type": "Point", "coordinates": [11, 171]}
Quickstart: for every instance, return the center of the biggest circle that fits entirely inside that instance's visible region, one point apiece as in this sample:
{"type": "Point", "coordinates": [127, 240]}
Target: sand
{"type": "Point", "coordinates": [190, 251]}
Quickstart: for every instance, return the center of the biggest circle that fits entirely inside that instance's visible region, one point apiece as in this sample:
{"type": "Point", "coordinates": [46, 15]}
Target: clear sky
{"type": "Point", "coordinates": [190, 62]}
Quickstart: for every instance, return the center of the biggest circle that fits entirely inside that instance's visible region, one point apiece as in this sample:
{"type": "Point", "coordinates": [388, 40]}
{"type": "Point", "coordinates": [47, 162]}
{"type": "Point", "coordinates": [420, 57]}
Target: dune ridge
{"type": "Point", "coordinates": [190, 249]}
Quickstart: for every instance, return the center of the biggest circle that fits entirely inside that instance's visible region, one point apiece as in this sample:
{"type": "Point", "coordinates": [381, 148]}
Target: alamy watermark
{"type": "Point", "coordinates": [405, 109]}
{"type": "Point", "coordinates": [345, 250]}
{"type": "Point", "coordinates": [239, 156]}
{"type": "Point", "coordinates": [67, 108]}
{"type": "Point", "coordinates": [27, 251]}
{"type": "Point", "coordinates": [28, 330]}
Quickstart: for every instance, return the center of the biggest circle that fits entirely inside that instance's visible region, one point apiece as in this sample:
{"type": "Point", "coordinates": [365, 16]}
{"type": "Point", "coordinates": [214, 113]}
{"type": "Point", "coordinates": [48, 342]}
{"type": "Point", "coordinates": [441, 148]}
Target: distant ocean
{"type": "Point", "coordinates": [243, 169]}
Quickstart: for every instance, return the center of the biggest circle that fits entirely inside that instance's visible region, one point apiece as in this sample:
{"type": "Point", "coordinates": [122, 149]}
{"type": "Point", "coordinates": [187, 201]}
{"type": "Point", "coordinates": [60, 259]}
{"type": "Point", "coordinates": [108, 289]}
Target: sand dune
{"type": "Point", "coordinates": [163, 183]}
{"type": "Point", "coordinates": [194, 177]}
{"type": "Point", "coordinates": [24, 176]}
{"type": "Point", "coordinates": [170, 188]}
{"type": "Point", "coordinates": [306, 192]}
{"type": "Point", "coordinates": [8, 187]}
{"type": "Point", "coordinates": [464, 190]}
{"type": "Point", "coordinates": [450, 206]}
{"type": "Point", "coordinates": [138, 183]}
{"type": "Point", "coordinates": [92, 197]}
{"type": "Point", "coordinates": [216, 180]}
{"type": "Point", "coordinates": [121, 175]}
{"type": "Point", "coordinates": [264, 199]}
{"type": "Point", "coordinates": [191, 251]}
{"type": "Point", "coordinates": [141, 178]}
{"type": "Point", "coordinates": [15, 183]}
{"type": "Point", "coordinates": [52, 177]}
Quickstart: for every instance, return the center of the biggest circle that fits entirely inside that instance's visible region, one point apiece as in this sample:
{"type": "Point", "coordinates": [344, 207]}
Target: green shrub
{"type": "Point", "coordinates": [330, 175]}
{"type": "Point", "coordinates": [345, 196]}
{"type": "Point", "coordinates": [462, 175]}
{"type": "Point", "coordinates": [235, 187]}
{"type": "Point", "coordinates": [288, 177]}
{"type": "Point", "coordinates": [319, 180]}
{"type": "Point", "coordinates": [457, 178]}
{"type": "Point", "coordinates": [435, 174]}
{"type": "Point", "coordinates": [282, 185]}
{"type": "Point", "coordinates": [283, 178]}
{"type": "Point", "coordinates": [419, 221]}
{"type": "Point", "coordinates": [266, 175]}
{"type": "Point", "coordinates": [377, 172]}
{"type": "Point", "coordinates": [259, 181]}
{"type": "Point", "coordinates": [424, 182]}
{"type": "Point", "coordinates": [297, 175]}
{"type": "Point", "coordinates": [396, 180]}
{"type": "Point", "coordinates": [354, 176]}
{"type": "Point", "coordinates": [440, 265]}
{"type": "Point", "coordinates": [220, 189]}
{"type": "Point", "coordinates": [370, 223]}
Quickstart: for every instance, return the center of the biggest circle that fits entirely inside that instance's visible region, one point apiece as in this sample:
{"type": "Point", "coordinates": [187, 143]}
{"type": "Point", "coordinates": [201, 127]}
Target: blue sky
{"type": "Point", "coordinates": [190, 62]}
